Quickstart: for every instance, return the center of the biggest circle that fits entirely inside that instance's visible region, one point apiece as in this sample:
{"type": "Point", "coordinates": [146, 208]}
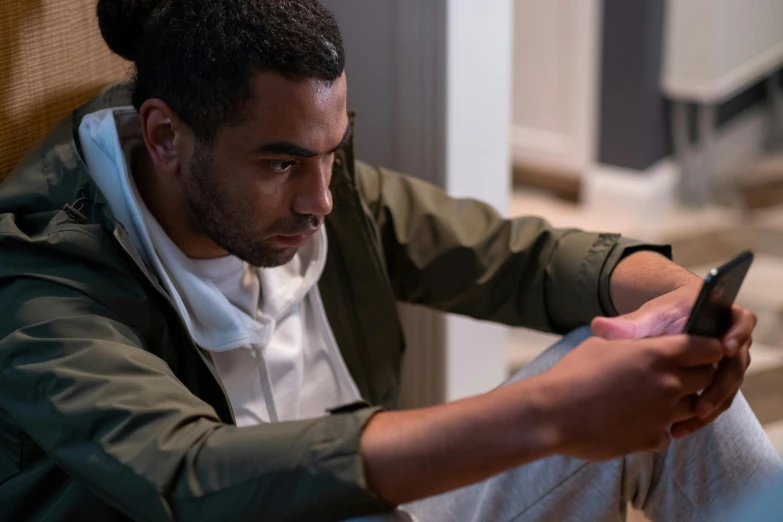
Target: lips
{"type": "Point", "coordinates": [293, 241]}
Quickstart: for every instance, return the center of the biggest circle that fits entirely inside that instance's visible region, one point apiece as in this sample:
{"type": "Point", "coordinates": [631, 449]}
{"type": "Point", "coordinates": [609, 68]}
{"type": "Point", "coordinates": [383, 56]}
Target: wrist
{"type": "Point", "coordinates": [536, 427]}
{"type": "Point", "coordinates": [643, 276]}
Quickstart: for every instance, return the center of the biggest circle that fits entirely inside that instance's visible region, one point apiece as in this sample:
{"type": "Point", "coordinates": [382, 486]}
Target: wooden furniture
{"type": "Point", "coordinates": [52, 59]}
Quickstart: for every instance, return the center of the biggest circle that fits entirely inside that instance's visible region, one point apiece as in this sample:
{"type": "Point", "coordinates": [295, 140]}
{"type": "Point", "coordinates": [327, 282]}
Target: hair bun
{"type": "Point", "coordinates": [122, 24]}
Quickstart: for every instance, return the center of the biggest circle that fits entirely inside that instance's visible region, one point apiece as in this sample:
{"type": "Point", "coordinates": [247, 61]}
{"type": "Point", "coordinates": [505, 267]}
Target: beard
{"type": "Point", "coordinates": [230, 225]}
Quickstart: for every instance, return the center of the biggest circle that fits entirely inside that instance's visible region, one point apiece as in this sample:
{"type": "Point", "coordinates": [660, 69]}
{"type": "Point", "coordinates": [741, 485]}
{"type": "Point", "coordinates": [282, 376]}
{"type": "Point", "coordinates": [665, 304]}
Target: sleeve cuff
{"type": "Point", "coordinates": [622, 249]}
{"type": "Point", "coordinates": [578, 276]}
{"type": "Point", "coordinates": [572, 277]}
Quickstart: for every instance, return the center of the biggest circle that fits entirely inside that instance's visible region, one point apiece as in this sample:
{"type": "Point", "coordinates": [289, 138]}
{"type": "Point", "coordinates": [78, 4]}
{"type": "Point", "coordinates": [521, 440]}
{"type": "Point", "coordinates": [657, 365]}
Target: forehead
{"type": "Point", "coordinates": [294, 110]}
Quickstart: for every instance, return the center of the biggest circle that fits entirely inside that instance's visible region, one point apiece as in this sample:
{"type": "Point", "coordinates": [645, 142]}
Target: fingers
{"type": "Point", "coordinates": [686, 427]}
{"type": "Point", "coordinates": [728, 379]}
{"type": "Point", "coordinates": [742, 323]}
{"type": "Point", "coordinates": [688, 350]}
{"type": "Point", "coordinates": [695, 378]}
{"type": "Point", "coordinates": [683, 410]}
{"type": "Point", "coordinates": [651, 320]}
{"type": "Point", "coordinates": [722, 392]}
{"type": "Point", "coordinates": [614, 328]}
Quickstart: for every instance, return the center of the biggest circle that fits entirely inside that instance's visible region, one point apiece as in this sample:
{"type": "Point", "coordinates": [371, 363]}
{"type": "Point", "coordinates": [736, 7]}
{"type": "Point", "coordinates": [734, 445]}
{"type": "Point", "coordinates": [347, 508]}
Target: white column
{"type": "Point", "coordinates": [478, 119]}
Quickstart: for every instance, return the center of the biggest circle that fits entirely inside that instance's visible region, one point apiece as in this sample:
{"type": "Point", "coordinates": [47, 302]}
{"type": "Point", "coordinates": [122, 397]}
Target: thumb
{"type": "Point", "coordinates": [636, 325]}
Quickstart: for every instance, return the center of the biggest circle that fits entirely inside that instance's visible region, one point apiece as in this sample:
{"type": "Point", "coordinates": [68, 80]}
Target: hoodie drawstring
{"type": "Point", "coordinates": [266, 384]}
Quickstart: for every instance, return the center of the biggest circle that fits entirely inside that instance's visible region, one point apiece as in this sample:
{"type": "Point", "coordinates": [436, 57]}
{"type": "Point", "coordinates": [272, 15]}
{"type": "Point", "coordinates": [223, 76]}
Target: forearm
{"type": "Point", "coordinates": [414, 454]}
{"type": "Point", "coordinates": [643, 276]}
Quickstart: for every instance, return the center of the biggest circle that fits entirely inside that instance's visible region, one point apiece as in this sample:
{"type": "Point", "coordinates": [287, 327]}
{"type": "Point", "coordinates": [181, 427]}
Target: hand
{"type": "Point", "coordinates": [719, 396]}
{"type": "Point", "coordinates": [667, 315]}
{"type": "Point", "coordinates": [611, 398]}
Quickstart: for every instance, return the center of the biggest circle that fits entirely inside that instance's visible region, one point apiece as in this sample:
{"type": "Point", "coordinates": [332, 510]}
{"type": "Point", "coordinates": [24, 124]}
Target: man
{"type": "Point", "coordinates": [197, 314]}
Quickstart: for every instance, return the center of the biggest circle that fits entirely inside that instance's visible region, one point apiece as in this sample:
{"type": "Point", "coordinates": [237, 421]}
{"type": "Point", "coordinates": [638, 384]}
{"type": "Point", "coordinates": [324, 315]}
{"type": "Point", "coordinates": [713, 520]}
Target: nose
{"type": "Point", "coordinates": [314, 196]}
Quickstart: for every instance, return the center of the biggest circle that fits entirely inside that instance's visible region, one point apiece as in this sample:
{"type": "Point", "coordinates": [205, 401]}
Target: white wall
{"type": "Point", "coordinates": [478, 118]}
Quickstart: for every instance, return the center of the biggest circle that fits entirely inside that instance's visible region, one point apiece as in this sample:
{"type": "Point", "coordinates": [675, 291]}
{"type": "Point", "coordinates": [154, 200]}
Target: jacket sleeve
{"type": "Point", "coordinates": [112, 415]}
{"type": "Point", "coordinates": [461, 256]}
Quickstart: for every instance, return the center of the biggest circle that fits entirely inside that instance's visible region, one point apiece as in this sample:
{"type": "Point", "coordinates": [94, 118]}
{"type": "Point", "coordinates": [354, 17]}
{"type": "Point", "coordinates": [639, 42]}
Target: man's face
{"type": "Point", "coordinates": [261, 190]}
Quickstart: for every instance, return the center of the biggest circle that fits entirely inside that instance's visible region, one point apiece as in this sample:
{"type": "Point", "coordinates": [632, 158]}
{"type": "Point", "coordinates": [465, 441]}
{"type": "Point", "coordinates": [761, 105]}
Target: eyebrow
{"type": "Point", "coordinates": [285, 148]}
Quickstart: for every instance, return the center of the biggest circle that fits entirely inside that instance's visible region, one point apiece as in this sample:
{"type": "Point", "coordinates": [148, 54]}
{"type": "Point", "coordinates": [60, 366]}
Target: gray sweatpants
{"type": "Point", "coordinates": [691, 481]}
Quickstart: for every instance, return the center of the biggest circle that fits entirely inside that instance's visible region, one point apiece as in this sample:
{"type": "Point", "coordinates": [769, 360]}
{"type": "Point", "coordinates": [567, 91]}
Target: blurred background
{"type": "Point", "coordinates": [659, 119]}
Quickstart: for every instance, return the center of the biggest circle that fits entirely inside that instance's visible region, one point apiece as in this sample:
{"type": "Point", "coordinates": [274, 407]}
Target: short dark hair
{"type": "Point", "coordinates": [199, 56]}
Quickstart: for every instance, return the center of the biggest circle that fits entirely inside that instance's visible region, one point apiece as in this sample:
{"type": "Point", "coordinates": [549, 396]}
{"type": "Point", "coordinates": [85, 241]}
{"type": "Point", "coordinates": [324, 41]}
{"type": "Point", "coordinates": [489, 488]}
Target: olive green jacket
{"type": "Point", "coordinates": [109, 411]}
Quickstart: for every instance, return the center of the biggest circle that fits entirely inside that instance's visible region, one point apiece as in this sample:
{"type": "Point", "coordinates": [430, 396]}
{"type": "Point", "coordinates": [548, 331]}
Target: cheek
{"type": "Point", "coordinates": [264, 202]}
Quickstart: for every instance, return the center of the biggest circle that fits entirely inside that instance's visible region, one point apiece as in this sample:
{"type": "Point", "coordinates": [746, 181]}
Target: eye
{"type": "Point", "coordinates": [280, 167]}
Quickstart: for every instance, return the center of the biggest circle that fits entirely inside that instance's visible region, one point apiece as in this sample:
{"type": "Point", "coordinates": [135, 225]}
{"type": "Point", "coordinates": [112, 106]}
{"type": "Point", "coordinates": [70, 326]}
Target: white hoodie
{"type": "Point", "coordinates": [265, 329]}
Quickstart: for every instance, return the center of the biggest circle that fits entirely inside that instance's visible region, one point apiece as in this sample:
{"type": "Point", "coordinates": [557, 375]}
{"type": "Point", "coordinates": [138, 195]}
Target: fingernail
{"type": "Point", "coordinates": [732, 346]}
{"type": "Point", "coordinates": [704, 409]}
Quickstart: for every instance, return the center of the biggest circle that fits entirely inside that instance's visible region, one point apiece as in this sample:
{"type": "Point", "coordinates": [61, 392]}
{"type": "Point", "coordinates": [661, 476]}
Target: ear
{"type": "Point", "coordinates": [163, 135]}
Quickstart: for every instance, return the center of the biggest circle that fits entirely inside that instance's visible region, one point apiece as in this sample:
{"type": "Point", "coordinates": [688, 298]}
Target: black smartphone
{"type": "Point", "coordinates": [711, 315]}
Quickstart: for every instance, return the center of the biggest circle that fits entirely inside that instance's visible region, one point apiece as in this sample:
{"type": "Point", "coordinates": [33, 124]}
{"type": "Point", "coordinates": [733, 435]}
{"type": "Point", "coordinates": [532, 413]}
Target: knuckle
{"type": "Point", "coordinates": [669, 315]}
{"type": "Point", "coordinates": [710, 348]}
{"type": "Point", "coordinates": [671, 385]}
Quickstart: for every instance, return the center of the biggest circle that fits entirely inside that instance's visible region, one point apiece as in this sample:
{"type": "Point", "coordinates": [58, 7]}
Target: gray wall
{"type": "Point", "coordinates": [633, 118]}
{"type": "Point", "coordinates": [370, 41]}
